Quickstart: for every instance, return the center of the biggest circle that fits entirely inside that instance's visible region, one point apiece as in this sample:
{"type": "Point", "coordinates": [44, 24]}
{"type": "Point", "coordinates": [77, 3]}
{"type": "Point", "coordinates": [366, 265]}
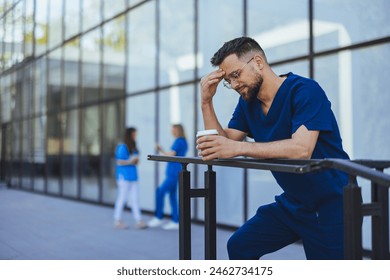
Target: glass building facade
{"type": "Point", "coordinates": [75, 73]}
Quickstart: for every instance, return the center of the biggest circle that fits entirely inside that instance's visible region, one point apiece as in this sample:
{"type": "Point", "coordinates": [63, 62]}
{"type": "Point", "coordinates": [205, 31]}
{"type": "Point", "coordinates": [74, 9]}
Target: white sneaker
{"type": "Point", "coordinates": [171, 226]}
{"type": "Point", "coordinates": [155, 222]}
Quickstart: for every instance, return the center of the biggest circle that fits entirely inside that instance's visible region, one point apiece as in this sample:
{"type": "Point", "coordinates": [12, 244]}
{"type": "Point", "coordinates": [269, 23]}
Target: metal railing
{"type": "Point", "coordinates": [354, 208]}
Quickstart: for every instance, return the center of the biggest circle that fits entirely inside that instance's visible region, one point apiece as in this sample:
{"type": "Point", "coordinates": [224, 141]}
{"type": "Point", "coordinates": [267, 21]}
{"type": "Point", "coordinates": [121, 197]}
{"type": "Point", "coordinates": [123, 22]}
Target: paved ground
{"type": "Point", "coordinates": [39, 227]}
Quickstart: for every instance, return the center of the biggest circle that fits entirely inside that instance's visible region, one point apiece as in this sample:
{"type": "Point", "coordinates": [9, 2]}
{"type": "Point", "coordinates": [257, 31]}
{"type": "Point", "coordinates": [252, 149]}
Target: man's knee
{"type": "Point", "coordinates": [234, 246]}
{"type": "Point", "coordinates": [240, 248]}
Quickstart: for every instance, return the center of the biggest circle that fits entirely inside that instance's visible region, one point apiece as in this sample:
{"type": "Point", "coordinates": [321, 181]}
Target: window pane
{"type": "Point", "coordinates": [16, 154]}
{"type": "Point", "coordinates": [176, 54]}
{"type": "Point", "coordinates": [113, 123]}
{"type": "Point", "coordinates": [2, 46]}
{"type": "Point", "coordinates": [39, 153]}
{"type": "Point", "coordinates": [41, 26]}
{"type": "Point", "coordinates": [53, 164]}
{"type": "Point", "coordinates": [29, 28]}
{"type": "Point", "coordinates": [18, 23]}
{"type": "Point", "coordinates": [6, 98]}
{"type": "Point", "coordinates": [40, 85]}
{"type": "Point", "coordinates": [55, 22]}
{"type": "Point", "coordinates": [26, 155]}
{"type": "Point", "coordinates": [70, 163]}
{"type": "Point", "coordinates": [91, 65]}
{"type": "Point", "coordinates": [72, 17]}
{"type": "Point", "coordinates": [282, 33]}
{"type": "Point", "coordinates": [351, 23]}
{"type": "Point", "coordinates": [354, 91]}
{"type": "Point", "coordinates": [27, 90]}
{"type": "Point", "coordinates": [300, 68]}
{"type": "Point", "coordinates": [212, 29]}
{"type": "Point", "coordinates": [90, 153]}
{"type": "Point", "coordinates": [7, 171]}
{"type": "Point", "coordinates": [54, 82]}
{"type": "Point", "coordinates": [71, 73]}
{"type": "Point", "coordinates": [91, 15]}
{"type": "Point", "coordinates": [112, 8]}
{"type": "Point", "coordinates": [114, 44]}
{"type": "Point", "coordinates": [141, 71]}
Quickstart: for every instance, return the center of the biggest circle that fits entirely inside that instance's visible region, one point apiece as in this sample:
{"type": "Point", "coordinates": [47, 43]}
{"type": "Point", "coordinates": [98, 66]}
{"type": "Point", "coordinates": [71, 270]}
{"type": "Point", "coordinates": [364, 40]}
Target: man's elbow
{"type": "Point", "coordinates": [303, 153]}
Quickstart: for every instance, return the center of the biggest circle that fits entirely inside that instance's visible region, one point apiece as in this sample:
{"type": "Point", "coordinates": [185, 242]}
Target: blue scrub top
{"type": "Point", "coordinates": [299, 101]}
{"type": "Point", "coordinates": [126, 172]}
{"type": "Point", "coordinates": [180, 147]}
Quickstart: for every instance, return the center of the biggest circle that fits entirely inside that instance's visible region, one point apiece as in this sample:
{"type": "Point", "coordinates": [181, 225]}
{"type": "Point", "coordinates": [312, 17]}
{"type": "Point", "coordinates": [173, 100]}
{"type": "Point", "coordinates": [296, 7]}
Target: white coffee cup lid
{"type": "Point", "coordinates": [207, 132]}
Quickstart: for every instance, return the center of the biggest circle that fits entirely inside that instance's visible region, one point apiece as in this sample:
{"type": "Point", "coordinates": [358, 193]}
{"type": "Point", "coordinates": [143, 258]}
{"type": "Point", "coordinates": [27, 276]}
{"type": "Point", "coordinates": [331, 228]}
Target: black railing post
{"type": "Point", "coordinates": [380, 223]}
{"type": "Point", "coordinates": [184, 214]}
{"type": "Point", "coordinates": [353, 221]}
{"type": "Point", "coordinates": [210, 214]}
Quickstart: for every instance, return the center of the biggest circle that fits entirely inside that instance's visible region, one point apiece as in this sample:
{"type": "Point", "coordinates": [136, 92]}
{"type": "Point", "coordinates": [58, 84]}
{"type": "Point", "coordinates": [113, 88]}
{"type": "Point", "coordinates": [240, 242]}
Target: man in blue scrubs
{"type": "Point", "coordinates": [288, 116]}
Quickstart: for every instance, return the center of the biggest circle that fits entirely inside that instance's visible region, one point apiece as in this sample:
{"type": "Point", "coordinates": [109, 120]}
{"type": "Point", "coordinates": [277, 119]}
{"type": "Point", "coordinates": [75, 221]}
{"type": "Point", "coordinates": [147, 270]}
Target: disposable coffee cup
{"type": "Point", "coordinates": [201, 133]}
{"type": "Point", "coordinates": [206, 132]}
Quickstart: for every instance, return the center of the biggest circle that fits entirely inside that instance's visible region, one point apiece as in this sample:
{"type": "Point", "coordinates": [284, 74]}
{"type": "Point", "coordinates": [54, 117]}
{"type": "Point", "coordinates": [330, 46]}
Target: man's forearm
{"type": "Point", "coordinates": [277, 149]}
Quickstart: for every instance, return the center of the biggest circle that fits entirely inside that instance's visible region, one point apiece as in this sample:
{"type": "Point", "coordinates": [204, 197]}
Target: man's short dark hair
{"type": "Point", "coordinates": [239, 46]}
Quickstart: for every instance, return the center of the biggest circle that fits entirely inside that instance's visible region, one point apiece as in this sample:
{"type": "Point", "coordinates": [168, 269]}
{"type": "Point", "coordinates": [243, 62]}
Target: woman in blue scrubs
{"type": "Point", "coordinates": [170, 183]}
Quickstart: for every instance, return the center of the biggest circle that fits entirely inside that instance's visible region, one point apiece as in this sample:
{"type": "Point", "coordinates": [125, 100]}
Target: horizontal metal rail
{"type": "Point", "coordinates": [361, 168]}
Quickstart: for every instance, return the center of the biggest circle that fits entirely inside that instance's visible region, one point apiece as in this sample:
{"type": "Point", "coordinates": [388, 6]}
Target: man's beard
{"type": "Point", "coordinates": [253, 90]}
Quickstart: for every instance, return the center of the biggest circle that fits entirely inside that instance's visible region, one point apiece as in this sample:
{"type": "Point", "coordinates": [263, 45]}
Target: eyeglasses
{"type": "Point", "coordinates": [235, 75]}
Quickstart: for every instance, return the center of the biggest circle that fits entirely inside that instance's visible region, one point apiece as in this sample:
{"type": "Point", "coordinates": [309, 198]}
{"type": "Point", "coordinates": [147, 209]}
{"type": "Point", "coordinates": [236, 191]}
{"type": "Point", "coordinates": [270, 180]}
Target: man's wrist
{"type": "Point", "coordinates": [245, 148]}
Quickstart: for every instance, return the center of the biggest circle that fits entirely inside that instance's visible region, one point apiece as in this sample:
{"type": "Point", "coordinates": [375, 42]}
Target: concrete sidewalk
{"type": "Point", "coordinates": [39, 227]}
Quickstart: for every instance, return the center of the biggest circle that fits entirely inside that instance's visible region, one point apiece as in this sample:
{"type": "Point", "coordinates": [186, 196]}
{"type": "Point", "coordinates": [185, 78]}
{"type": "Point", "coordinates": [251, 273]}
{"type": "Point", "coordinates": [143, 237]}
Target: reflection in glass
{"type": "Point", "coordinates": [90, 153]}
{"type": "Point", "coordinates": [282, 33]}
{"type": "Point", "coordinates": [54, 82]}
{"type": "Point", "coordinates": [55, 22]}
{"type": "Point", "coordinates": [27, 91]}
{"type": "Point", "coordinates": [113, 124]}
{"type": "Point", "coordinates": [91, 13]}
{"type": "Point", "coordinates": [90, 45]}
{"type": "Point", "coordinates": [360, 114]}
{"type": "Point", "coordinates": [53, 149]}
{"type": "Point", "coordinates": [70, 163]}
{"type": "Point", "coordinates": [177, 61]}
{"type": "Point", "coordinates": [350, 23]}
{"type": "Point", "coordinates": [112, 8]}
{"type": "Point", "coordinates": [8, 36]}
{"type": "Point", "coordinates": [2, 57]}
{"type": "Point", "coordinates": [16, 153]}
{"type": "Point", "coordinates": [18, 24]}
{"type": "Point", "coordinates": [41, 26]}
{"type": "Point", "coordinates": [299, 67]}
{"type": "Point", "coordinates": [26, 159]}
{"type": "Point", "coordinates": [71, 73]}
{"type": "Point", "coordinates": [114, 44]}
{"type": "Point", "coordinates": [38, 153]}
{"type": "Point", "coordinates": [29, 29]}
{"type": "Point", "coordinates": [212, 29]}
{"type": "Point", "coordinates": [40, 86]}
{"type": "Point", "coordinates": [6, 98]}
{"type": "Point", "coordinates": [72, 18]}
{"type": "Point", "coordinates": [141, 65]}
{"type": "Point", "coordinates": [7, 171]}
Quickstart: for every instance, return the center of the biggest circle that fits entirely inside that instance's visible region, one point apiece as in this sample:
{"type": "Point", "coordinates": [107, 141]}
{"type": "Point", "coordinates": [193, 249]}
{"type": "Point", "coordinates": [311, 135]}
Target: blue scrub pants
{"type": "Point", "coordinates": [168, 186]}
{"type": "Point", "coordinates": [273, 228]}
